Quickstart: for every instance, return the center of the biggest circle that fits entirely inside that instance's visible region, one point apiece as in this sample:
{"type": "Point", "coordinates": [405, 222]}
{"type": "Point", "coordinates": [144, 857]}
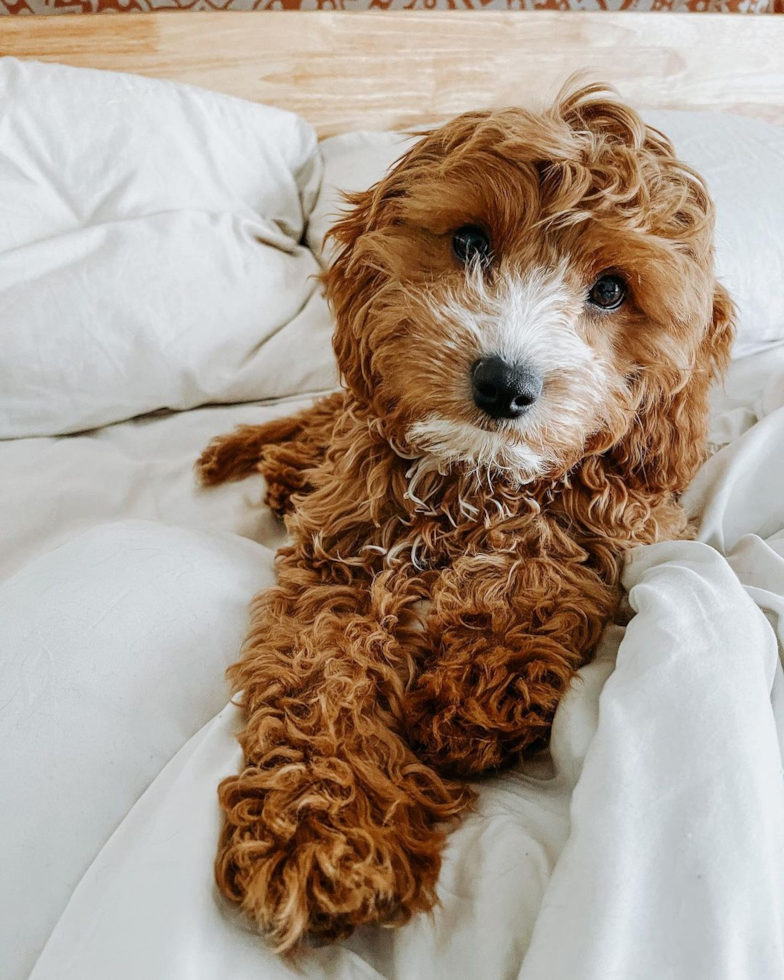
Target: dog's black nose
{"type": "Point", "coordinates": [504, 391]}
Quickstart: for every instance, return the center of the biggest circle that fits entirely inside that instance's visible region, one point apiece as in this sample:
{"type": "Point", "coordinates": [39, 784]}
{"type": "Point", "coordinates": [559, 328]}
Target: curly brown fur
{"type": "Point", "coordinates": [449, 573]}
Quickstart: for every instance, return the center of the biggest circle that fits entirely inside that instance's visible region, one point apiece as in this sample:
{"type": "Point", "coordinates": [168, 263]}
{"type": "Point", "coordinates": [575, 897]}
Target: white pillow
{"type": "Point", "coordinates": [150, 247]}
{"type": "Point", "coordinates": [741, 159]}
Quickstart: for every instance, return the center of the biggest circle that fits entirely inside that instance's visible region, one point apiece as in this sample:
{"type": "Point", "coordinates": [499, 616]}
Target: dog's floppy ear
{"type": "Point", "coordinates": [362, 258]}
{"type": "Point", "coordinates": [350, 282]}
{"type": "Point", "coordinates": [358, 270]}
{"type": "Point", "coordinates": [666, 442]}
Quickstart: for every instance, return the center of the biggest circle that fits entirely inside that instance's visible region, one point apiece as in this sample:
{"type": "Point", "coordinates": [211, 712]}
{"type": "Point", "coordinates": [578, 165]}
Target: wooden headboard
{"type": "Point", "coordinates": [386, 70]}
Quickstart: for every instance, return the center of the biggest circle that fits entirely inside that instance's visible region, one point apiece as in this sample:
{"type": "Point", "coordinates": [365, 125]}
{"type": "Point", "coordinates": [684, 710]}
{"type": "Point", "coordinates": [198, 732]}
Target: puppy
{"type": "Point", "coordinates": [527, 327]}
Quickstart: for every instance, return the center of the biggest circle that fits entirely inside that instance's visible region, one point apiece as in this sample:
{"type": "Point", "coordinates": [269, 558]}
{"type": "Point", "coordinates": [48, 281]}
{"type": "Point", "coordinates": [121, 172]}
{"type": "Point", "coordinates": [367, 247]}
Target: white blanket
{"type": "Point", "coordinates": [651, 846]}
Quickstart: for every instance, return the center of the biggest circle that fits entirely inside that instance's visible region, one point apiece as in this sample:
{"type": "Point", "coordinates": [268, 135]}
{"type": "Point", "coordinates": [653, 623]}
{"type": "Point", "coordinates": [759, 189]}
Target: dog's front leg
{"type": "Point", "coordinates": [332, 822]}
{"type": "Point", "coordinates": [285, 451]}
{"type": "Point", "coordinates": [508, 632]}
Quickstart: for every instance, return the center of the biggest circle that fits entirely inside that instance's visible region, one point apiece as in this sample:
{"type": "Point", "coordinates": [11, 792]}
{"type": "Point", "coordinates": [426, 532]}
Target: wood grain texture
{"type": "Point", "coordinates": [391, 70]}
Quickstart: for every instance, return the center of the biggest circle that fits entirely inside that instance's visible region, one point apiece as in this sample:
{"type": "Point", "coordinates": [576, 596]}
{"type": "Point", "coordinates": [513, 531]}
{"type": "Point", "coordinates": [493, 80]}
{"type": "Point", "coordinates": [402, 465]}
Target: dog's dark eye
{"type": "Point", "coordinates": [470, 244]}
{"type": "Point", "coordinates": [608, 292]}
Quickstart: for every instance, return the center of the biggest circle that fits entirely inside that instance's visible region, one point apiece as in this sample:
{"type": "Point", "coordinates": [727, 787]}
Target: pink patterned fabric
{"type": "Point", "coordinates": [123, 6]}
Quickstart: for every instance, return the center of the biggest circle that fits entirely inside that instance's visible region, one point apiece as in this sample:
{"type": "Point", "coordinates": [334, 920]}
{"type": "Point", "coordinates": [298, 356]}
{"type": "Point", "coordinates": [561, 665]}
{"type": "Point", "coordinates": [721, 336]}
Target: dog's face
{"type": "Point", "coordinates": [520, 286]}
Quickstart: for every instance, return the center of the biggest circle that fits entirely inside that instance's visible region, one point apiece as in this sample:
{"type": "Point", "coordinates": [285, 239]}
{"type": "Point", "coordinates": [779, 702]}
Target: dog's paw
{"type": "Point", "coordinates": [252, 448]}
{"type": "Point", "coordinates": [308, 874]}
{"type": "Point", "coordinates": [471, 728]}
{"type": "Point", "coordinates": [228, 458]}
{"type": "Point", "coordinates": [457, 749]}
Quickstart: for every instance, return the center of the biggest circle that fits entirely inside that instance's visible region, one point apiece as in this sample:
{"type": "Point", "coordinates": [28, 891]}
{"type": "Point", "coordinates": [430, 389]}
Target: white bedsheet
{"type": "Point", "coordinates": [651, 847]}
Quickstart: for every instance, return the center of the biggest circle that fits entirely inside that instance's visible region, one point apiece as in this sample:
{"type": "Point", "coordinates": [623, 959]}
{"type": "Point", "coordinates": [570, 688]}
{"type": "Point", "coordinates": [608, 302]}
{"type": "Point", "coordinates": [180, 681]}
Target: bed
{"type": "Point", "coordinates": [158, 248]}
